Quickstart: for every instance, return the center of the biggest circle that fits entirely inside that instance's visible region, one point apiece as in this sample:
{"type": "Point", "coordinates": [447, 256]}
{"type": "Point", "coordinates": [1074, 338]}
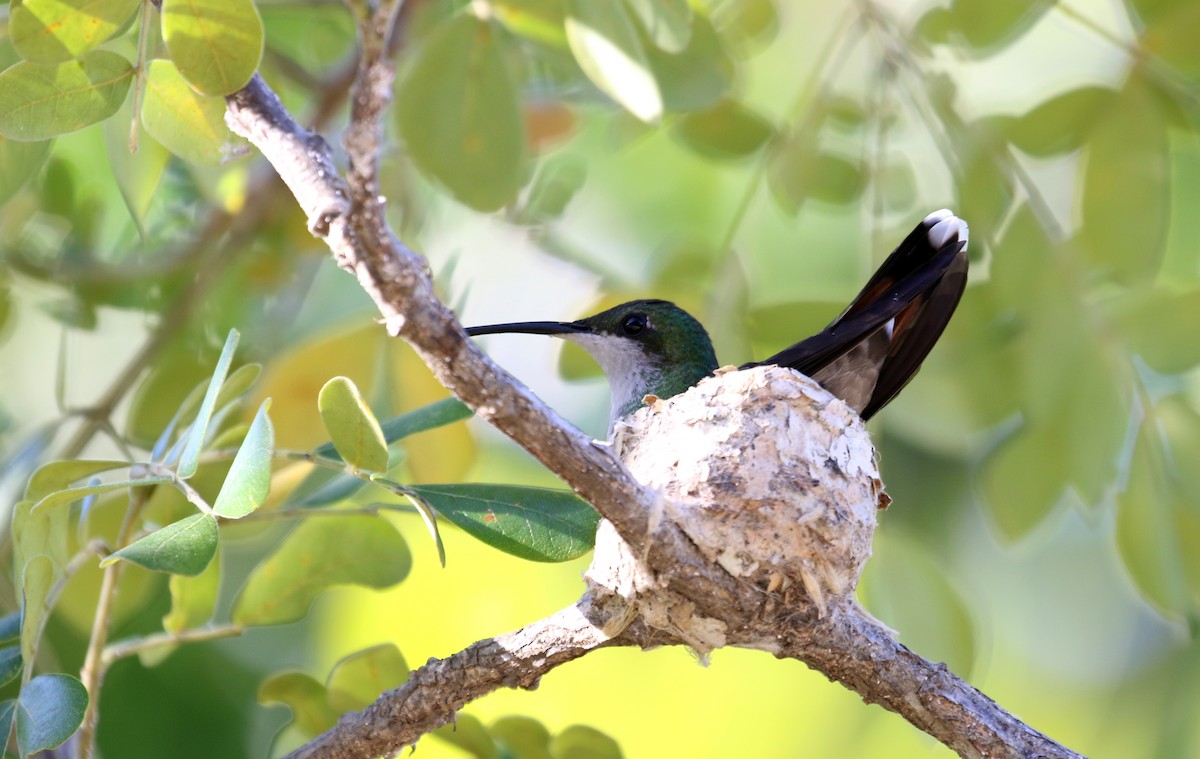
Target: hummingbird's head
{"type": "Point", "coordinates": [645, 347]}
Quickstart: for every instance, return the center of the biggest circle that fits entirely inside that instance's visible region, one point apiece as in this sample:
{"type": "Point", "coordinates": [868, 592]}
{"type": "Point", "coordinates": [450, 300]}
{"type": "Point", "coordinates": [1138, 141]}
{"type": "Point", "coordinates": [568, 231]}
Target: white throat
{"type": "Point", "coordinates": [630, 373]}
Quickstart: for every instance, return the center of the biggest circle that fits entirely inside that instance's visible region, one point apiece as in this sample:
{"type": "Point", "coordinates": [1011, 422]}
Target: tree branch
{"type": "Point", "coordinates": [839, 640]}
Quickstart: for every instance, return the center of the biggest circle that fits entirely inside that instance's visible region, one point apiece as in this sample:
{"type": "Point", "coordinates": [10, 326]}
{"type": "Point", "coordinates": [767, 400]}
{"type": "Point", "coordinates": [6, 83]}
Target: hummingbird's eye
{"type": "Point", "coordinates": [634, 324]}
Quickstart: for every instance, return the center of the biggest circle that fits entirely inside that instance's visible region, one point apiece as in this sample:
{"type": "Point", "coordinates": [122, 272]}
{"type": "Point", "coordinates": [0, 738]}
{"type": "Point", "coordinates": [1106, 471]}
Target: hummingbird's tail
{"type": "Point", "coordinates": [870, 352]}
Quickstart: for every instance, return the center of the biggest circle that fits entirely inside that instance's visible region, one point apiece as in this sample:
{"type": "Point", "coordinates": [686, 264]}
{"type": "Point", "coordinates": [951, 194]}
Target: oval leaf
{"type": "Point", "coordinates": [1061, 124]}
{"type": "Point", "coordinates": [358, 679]}
{"type": "Point", "coordinates": [10, 663]}
{"type": "Point", "coordinates": [728, 130]}
{"type": "Point", "coordinates": [583, 742]}
{"type": "Point", "coordinates": [352, 427]}
{"type": "Point", "coordinates": [19, 162]}
{"type": "Point", "coordinates": [539, 524]}
{"type": "Point", "coordinates": [40, 100]}
{"type": "Point", "coordinates": [1125, 186]}
{"type": "Point", "coordinates": [351, 549]}
{"type": "Point", "coordinates": [51, 31]}
{"type": "Point", "coordinates": [190, 125]}
{"type": "Point", "coordinates": [606, 45]}
{"type": "Point", "coordinates": [193, 598]}
{"type": "Point", "coordinates": [458, 112]}
{"type": "Point", "coordinates": [524, 737]}
{"type": "Point", "coordinates": [697, 77]}
{"type": "Point", "coordinates": [1023, 480]}
{"type": "Point", "coordinates": [185, 547]}
{"type": "Point", "coordinates": [216, 44]}
{"type": "Point", "coordinates": [49, 710]}
{"type": "Point", "coordinates": [249, 479]}
{"type": "Point", "coordinates": [10, 627]}
{"type": "Point", "coordinates": [58, 475]}
{"type": "Point", "coordinates": [70, 495]}
{"type": "Point", "coordinates": [36, 581]}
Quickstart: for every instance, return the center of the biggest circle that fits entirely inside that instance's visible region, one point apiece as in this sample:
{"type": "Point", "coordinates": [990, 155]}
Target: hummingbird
{"type": "Point", "coordinates": [865, 356]}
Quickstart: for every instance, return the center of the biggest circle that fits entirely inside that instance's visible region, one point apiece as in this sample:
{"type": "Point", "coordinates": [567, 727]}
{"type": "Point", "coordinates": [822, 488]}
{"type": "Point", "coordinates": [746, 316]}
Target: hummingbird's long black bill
{"type": "Point", "coordinates": [871, 351]}
{"type": "Point", "coordinates": [528, 328]}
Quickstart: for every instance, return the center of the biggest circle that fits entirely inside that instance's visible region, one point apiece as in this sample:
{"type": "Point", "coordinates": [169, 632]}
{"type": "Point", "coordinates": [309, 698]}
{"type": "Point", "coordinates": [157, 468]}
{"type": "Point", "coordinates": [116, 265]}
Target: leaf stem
{"type": "Point", "coordinates": [131, 646]}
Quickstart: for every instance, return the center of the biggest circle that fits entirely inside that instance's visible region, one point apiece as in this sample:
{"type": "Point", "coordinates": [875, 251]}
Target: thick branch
{"type": "Point", "coordinates": [437, 690]}
{"type": "Point", "coordinates": [852, 648]}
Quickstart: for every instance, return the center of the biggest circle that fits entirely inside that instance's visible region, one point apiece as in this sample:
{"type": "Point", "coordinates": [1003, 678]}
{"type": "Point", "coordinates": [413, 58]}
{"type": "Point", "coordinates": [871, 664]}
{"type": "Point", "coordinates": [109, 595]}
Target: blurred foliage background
{"type": "Point", "coordinates": [752, 160]}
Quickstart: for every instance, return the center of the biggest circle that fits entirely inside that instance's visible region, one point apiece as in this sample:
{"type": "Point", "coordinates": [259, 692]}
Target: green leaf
{"type": "Point", "coordinates": [39, 100]}
{"type": "Point", "coordinates": [699, 76]}
{"type": "Point", "coordinates": [249, 479]}
{"type": "Point", "coordinates": [458, 112]}
{"type": "Point", "coordinates": [1159, 326]}
{"type": "Point", "coordinates": [1125, 186]}
{"type": "Point", "coordinates": [983, 25]}
{"type": "Point", "coordinates": [436, 414]}
{"type": "Point", "coordinates": [137, 174]}
{"type": "Point", "coordinates": [556, 183]}
{"type": "Point", "coordinates": [304, 696]}
{"type": "Point", "coordinates": [540, 20]}
{"type": "Point", "coordinates": [524, 737]}
{"type": "Point", "coordinates": [216, 44]}
{"type": "Point", "coordinates": [70, 495]}
{"type": "Point", "coordinates": [36, 582]}
{"type": "Point", "coordinates": [729, 130]}
{"type": "Point", "coordinates": [190, 458]}
{"type": "Point", "coordinates": [605, 43]}
{"type": "Point", "coordinates": [1171, 37]}
{"type": "Point", "coordinates": [749, 22]}
{"type": "Point", "coordinates": [10, 627]}
{"type": "Point", "coordinates": [19, 162]}
{"type": "Point", "coordinates": [51, 31]}
{"type": "Point", "coordinates": [58, 475]}
{"type": "Point", "coordinates": [539, 524]}
{"type": "Point", "coordinates": [668, 23]}
{"type": "Point", "coordinates": [427, 514]}
{"type": "Point", "coordinates": [8, 710]}
{"type": "Point", "coordinates": [1023, 479]}
{"type": "Point", "coordinates": [193, 598]}
{"type": "Point", "coordinates": [468, 733]}
{"type": "Point", "coordinates": [358, 679]}
{"type": "Point", "coordinates": [1062, 123]}
{"type": "Point", "coordinates": [358, 550]}
{"type": "Point", "coordinates": [190, 125]}
{"type": "Point", "coordinates": [185, 547]}
{"type": "Point", "coordinates": [351, 425]}
{"type": "Point", "coordinates": [39, 533]}
{"type": "Point", "coordinates": [10, 664]}
{"type": "Point", "coordinates": [49, 711]}
{"type": "Point", "coordinates": [583, 742]}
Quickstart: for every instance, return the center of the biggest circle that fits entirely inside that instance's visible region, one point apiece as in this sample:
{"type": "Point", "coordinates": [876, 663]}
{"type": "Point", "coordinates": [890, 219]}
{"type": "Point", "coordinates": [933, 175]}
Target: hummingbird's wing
{"type": "Point", "coordinates": [870, 352]}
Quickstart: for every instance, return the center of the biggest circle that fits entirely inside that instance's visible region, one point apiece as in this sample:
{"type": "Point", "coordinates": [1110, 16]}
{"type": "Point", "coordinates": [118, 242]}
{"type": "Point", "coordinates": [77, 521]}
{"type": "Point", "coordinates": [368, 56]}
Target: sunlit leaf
{"type": "Point", "coordinates": [1062, 123]}
{"type": "Point", "coordinates": [986, 27]}
{"type": "Point", "coordinates": [216, 44]}
{"type": "Point", "coordinates": [750, 22]}
{"type": "Point", "coordinates": [49, 710]}
{"type": "Point", "coordinates": [249, 479]}
{"type": "Point", "coordinates": [52, 31]}
{"type": "Point", "coordinates": [606, 45]}
{"type": "Point", "coordinates": [727, 130]}
{"type": "Point", "coordinates": [1125, 186]}
{"type": "Point", "coordinates": [19, 162]}
{"type": "Point", "coordinates": [538, 524]}
{"type": "Point", "coordinates": [358, 679]}
{"type": "Point", "coordinates": [190, 458]}
{"type": "Point", "coordinates": [190, 125]}
{"type": "Point", "coordinates": [352, 427]}
{"type": "Point", "coordinates": [540, 20]}
{"type": "Point", "coordinates": [39, 100]}
{"type": "Point", "coordinates": [458, 112]}
{"type": "Point", "coordinates": [193, 598]}
{"type": "Point", "coordinates": [322, 552]}
{"type": "Point", "coordinates": [583, 742]}
{"type": "Point", "coordinates": [304, 696]}
{"type": "Point", "coordinates": [667, 23]}
{"type": "Point", "coordinates": [524, 737]}
{"type": "Point", "coordinates": [185, 547]}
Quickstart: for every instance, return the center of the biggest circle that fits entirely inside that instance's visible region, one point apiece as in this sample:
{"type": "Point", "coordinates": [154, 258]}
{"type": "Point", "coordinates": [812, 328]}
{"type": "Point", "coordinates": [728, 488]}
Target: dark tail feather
{"type": "Point", "coordinates": [918, 286]}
